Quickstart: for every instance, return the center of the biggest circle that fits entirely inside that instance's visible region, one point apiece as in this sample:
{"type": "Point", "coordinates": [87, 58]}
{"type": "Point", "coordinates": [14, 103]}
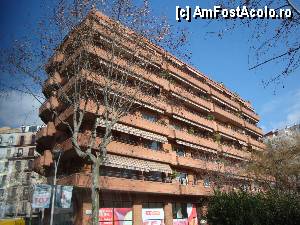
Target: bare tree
{"type": "Point", "coordinates": [280, 163]}
{"type": "Point", "coordinates": [102, 71]}
{"type": "Point", "coordinates": [273, 41]}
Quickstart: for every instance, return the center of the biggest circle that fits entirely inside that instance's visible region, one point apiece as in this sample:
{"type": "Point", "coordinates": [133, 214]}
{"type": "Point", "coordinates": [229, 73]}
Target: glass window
{"type": "Point", "coordinates": [1, 139]}
{"type": "Point", "coordinates": [8, 152]}
{"type": "Point", "coordinates": [154, 145]}
{"type": "Point", "coordinates": [22, 140]}
{"type": "Point", "coordinates": [206, 182]}
{"type": "Point", "coordinates": [20, 152]}
{"type": "Point", "coordinates": [33, 139]}
{"type": "Point", "coordinates": [182, 178]}
{"type": "Point", "coordinates": [150, 117]}
{"type": "Point", "coordinates": [180, 151]}
{"type": "Point", "coordinates": [18, 165]}
{"type": "Point", "coordinates": [10, 140]}
{"type": "Point", "coordinates": [179, 211]}
{"type": "Point", "coordinates": [31, 152]}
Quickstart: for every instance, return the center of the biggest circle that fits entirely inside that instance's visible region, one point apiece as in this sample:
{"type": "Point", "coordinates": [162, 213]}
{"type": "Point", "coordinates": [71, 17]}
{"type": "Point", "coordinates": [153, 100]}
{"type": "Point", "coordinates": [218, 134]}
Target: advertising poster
{"type": "Point", "coordinates": [63, 196]}
{"type": "Point", "coordinates": [41, 196]}
{"type": "Point", "coordinates": [192, 216]}
{"type": "Point", "coordinates": [153, 216]}
{"type": "Point", "coordinates": [115, 216]}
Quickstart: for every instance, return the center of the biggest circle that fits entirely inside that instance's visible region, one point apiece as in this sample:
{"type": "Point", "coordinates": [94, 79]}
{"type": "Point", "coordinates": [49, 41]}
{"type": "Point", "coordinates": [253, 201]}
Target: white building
{"type": "Point", "coordinates": [17, 152]}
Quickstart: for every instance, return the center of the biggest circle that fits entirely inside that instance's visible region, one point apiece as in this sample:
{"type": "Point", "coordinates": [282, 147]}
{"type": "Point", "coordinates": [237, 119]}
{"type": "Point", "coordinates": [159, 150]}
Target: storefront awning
{"type": "Point", "coordinates": [135, 164]}
{"type": "Point", "coordinates": [136, 132]}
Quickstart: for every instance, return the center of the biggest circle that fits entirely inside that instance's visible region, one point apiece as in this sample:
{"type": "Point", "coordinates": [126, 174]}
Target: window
{"type": "Point", "coordinates": [2, 181]}
{"type": "Point", "coordinates": [180, 151]}
{"type": "Point", "coordinates": [154, 145]}
{"type": "Point", "coordinates": [31, 152]}
{"type": "Point", "coordinates": [22, 139]}
{"type": "Point", "coordinates": [206, 182]}
{"type": "Point", "coordinates": [182, 178]}
{"type": "Point", "coordinates": [20, 152]}
{"type": "Point", "coordinates": [179, 211]}
{"type": "Point", "coordinates": [8, 153]}
{"type": "Point", "coordinates": [150, 117]}
{"type": "Point", "coordinates": [1, 193]}
{"type": "Point", "coordinates": [33, 139]}
{"type": "Point", "coordinates": [10, 140]}
{"type": "Point", "coordinates": [30, 164]}
{"type": "Point", "coordinates": [32, 129]}
{"type": "Point", "coordinates": [18, 165]}
{"type": "Point", "coordinates": [1, 139]}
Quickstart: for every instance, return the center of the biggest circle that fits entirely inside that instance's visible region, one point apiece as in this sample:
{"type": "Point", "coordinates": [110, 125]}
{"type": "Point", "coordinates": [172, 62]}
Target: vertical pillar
{"type": "Point", "coordinates": [137, 212]}
{"type": "Point", "coordinates": [168, 213]}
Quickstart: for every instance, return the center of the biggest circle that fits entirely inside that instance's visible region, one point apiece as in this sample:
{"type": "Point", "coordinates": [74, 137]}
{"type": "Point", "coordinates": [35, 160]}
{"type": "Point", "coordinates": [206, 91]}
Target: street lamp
{"type": "Point", "coordinates": [56, 154]}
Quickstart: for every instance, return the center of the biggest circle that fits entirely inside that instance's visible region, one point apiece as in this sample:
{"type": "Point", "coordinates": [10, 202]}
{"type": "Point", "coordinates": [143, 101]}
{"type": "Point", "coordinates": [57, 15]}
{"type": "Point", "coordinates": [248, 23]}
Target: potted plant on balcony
{"type": "Point", "coordinates": [210, 117]}
{"type": "Point", "coordinates": [191, 130]}
{"type": "Point", "coordinates": [217, 138]}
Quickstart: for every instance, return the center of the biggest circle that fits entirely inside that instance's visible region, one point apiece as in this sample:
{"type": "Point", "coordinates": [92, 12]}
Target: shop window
{"type": "Point", "coordinates": [115, 213]}
{"type": "Point", "coordinates": [179, 211]}
{"type": "Point", "coordinates": [153, 213]}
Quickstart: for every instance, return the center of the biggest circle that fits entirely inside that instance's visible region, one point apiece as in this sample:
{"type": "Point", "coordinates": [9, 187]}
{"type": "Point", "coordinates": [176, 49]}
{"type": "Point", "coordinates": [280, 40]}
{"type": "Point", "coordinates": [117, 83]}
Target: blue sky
{"type": "Point", "coordinates": [224, 60]}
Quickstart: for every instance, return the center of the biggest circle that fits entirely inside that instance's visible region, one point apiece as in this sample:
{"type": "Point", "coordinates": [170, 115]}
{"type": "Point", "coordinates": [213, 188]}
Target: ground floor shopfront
{"type": "Point", "coordinates": [121, 208]}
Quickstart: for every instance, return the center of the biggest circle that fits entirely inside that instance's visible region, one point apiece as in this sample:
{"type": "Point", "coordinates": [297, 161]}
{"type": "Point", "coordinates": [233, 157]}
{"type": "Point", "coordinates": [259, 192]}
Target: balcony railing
{"type": "Point", "coordinates": [228, 114]}
{"type": "Point", "coordinates": [132, 185]}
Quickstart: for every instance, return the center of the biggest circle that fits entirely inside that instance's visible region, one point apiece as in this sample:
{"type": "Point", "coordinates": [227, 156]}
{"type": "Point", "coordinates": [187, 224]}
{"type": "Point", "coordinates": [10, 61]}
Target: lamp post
{"type": "Point", "coordinates": [56, 158]}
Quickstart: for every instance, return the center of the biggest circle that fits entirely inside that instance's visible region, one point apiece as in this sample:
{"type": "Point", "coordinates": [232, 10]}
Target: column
{"type": "Point", "coordinates": [137, 212]}
{"type": "Point", "coordinates": [168, 213]}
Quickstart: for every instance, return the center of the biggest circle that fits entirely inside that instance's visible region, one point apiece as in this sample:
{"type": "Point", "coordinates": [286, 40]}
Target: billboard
{"type": "Point", "coordinates": [63, 196]}
{"type": "Point", "coordinates": [153, 216]}
{"type": "Point", "coordinates": [115, 216]}
{"type": "Point", "coordinates": [41, 196]}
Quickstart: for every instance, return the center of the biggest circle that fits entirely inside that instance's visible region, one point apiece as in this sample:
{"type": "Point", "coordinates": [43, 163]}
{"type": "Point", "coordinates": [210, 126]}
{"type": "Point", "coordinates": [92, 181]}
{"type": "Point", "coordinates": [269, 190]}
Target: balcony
{"type": "Point", "coordinates": [250, 113]}
{"type": "Point", "coordinates": [225, 99]}
{"type": "Point", "coordinates": [256, 143]}
{"type": "Point", "coordinates": [227, 115]}
{"type": "Point", "coordinates": [46, 134]}
{"type": "Point", "coordinates": [197, 140]}
{"type": "Point", "coordinates": [232, 133]}
{"type": "Point", "coordinates": [45, 109]}
{"type": "Point", "coordinates": [254, 128]}
{"type": "Point", "coordinates": [144, 124]}
{"type": "Point", "coordinates": [185, 76]}
{"type": "Point", "coordinates": [51, 83]}
{"type": "Point", "coordinates": [193, 117]}
{"type": "Point", "coordinates": [236, 152]}
{"type": "Point", "coordinates": [193, 163]}
{"type": "Point", "coordinates": [136, 186]}
{"type": "Point", "coordinates": [191, 97]}
{"type": "Point", "coordinates": [42, 161]}
{"type": "Point", "coordinates": [140, 152]}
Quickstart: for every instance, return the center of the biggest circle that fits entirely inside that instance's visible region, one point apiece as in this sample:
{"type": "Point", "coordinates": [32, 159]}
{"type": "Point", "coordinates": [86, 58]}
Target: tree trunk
{"type": "Point", "coordinates": [95, 193]}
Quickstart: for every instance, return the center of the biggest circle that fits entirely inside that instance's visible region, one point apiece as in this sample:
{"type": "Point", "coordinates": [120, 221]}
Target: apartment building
{"type": "Point", "coordinates": [166, 158]}
{"type": "Point", "coordinates": [17, 153]}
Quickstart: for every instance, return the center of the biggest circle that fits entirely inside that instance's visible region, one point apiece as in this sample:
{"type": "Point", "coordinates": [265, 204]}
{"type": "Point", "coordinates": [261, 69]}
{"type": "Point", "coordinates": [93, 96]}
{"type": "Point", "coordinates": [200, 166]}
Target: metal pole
{"type": "Point", "coordinates": [54, 188]}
